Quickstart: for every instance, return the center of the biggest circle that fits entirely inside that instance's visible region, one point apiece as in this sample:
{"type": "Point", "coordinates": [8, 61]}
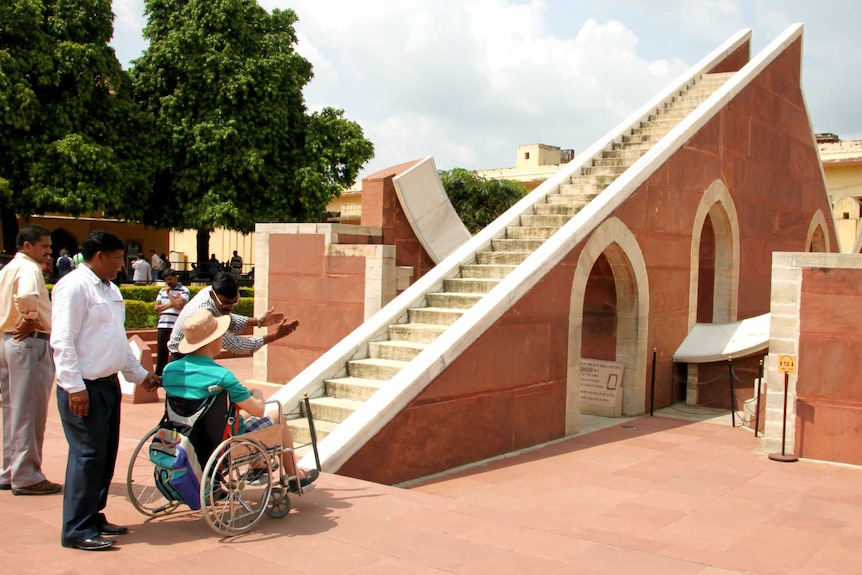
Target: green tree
{"type": "Point", "coordinates": [237, 144]}
{"type": "Point", "coordinates": [72, 139]}
{"type": "Point", "coordinates": [479, 201]}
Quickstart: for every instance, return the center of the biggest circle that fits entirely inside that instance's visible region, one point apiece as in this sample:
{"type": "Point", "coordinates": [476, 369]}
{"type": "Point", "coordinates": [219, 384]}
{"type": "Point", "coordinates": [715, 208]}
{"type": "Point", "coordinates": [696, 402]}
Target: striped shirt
{"type": "Point", "coordinates": [231, 342]}
{"type": "Point", "coordinates": [168, 317]}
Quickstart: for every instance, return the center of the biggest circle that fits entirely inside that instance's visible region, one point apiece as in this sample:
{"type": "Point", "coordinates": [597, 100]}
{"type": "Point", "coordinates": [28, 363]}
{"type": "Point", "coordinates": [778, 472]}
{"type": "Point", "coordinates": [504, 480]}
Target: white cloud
{"type": "Point", "coordinates": [469, 81]}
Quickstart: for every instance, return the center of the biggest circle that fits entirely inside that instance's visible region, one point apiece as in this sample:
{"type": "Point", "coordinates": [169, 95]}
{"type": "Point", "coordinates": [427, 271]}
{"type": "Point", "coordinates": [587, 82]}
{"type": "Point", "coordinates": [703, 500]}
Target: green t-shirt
{"type": "Point", "coordinates": [191, 377]}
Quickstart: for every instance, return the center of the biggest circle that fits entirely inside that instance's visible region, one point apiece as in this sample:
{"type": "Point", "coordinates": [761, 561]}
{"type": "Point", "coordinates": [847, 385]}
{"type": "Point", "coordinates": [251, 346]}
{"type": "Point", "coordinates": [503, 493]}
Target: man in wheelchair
{"type": "Point", "coordinates": [197, 377]}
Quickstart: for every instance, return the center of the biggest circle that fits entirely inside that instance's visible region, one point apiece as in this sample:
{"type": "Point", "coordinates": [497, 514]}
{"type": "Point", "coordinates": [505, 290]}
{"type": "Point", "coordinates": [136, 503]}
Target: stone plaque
{"type": "Point", "coordinates": [601, 387]}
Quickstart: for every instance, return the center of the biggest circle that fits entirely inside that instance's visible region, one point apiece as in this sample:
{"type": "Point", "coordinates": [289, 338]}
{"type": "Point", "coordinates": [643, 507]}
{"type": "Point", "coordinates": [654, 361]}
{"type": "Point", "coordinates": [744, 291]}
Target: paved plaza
{"type": "Point", "coordinates": [644, 496]}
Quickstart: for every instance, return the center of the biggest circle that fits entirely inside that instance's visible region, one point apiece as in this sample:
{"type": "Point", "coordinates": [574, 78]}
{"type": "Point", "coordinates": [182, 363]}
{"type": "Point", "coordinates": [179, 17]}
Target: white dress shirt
{"type": "Point", "coordinates": [89, 335]}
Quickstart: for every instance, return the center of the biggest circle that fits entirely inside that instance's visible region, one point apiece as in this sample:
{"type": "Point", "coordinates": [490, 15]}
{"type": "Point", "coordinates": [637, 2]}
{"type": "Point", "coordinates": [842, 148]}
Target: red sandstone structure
{"type": "Point", "coordinates": [421, 362]}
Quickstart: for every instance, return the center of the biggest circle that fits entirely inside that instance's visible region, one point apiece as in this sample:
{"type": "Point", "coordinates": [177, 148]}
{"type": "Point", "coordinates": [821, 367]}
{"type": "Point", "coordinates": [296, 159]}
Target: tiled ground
{"type": "Point", "coordinates": [646, 496]}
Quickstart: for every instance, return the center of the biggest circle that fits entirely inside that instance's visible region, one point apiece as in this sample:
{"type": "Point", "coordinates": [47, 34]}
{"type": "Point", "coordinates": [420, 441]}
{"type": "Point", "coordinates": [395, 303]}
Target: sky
{"type": "Point", "coordinates": [467, 81]}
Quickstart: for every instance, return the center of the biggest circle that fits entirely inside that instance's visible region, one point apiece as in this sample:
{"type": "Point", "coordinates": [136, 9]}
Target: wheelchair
{"type": "Point", "coordinates": [241, 479]}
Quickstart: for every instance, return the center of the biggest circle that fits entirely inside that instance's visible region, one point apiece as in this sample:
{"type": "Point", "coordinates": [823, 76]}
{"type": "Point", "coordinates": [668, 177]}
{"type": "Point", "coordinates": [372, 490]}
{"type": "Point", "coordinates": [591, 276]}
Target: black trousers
{"type": "Point", "coordinates": [163, 337]}
{"type": "Point", "coordinates": [93, 441]}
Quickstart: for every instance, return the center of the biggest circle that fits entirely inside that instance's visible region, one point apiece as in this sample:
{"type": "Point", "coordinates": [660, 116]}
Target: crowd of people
{"type": "Point", "coordinates": [76, 337]}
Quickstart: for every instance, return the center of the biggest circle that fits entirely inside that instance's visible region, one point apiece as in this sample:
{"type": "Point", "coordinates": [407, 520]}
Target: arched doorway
{"type": "Point", "coordinates": [608, 314]}
{"type": "Point", "coordinates": [714, 281]}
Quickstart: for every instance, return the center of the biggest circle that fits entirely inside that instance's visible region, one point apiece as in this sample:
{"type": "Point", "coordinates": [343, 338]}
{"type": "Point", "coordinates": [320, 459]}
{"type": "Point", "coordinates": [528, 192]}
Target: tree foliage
{"type": "Point", "coordinates": [237, 145]}
{"type": "Point", "coordinates": [479, 201]}
{"type": "Point", "coordinates": [70, 132]}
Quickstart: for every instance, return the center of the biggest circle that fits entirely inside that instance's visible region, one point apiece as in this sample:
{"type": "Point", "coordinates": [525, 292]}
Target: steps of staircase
{"type": "Point", "coordinates": [469, 285]}
{"type": "Point", "coordinates": [507, 245]}
{"type": "Point", "coordinates": [554, 221]}
{"type": "Point", "coordinates": [530, 232]}
{"type": "Point", "coordinates": [399, 350]}
{"type": "Point", "coordinates": [355, 388]}
{"type": "Point", "coordinates": [332, 409]}
{"type": "Point", "coordinates": [374, 368]}
{"type": "Point", "coordinates": [301, 434]}
{"type": "Point", "coordinates": [501, 258]}
{"type": "Point", "coordinates": [415, 332]}
{"type": "Point", "coordinates": [564, 210]}
{"type": "Point", "coordinates": [486, 271]}
{"type": "Point", "coordinates": [434, 315]}
{"type": "Point", "coordinates": [453, 299]}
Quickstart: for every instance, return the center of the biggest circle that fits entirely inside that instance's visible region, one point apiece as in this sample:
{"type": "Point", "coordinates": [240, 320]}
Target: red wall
{"type": "Point", "coordinates": [508, 390]}
{"type": "Point", "coordinates": [325, 293]}
{"type": "Point", "coordinates": [829, 394]}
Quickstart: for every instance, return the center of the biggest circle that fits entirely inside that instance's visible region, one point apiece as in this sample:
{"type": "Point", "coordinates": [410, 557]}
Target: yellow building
{"type": "Point", "coordinates": [842, 168]}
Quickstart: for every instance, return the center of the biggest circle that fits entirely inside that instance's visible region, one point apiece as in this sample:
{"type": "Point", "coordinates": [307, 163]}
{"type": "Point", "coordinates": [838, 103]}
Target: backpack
{"type": "Point", "coordinates": [177, 467]}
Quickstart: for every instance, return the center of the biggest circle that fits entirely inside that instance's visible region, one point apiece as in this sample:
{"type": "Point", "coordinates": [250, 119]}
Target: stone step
{"type": "Point", "coordinates": [616, 162]}
{"type": "Point", "coordinates": [370, 368]}
{"type": "Point", "coordinates": [604, 171]}
{"type": "Point", "coordinates": [355, 388]}
{"type": "Point", "coordinates": [581, 186]}
{"type": "Point", "coordinates": [501, 258]}
{"type": "Point", "coordinates": [662, 124]}
{"type": "Point", "coordinates": [332, 409]}
{"type": "Point", "coordinates": [398, 350]}
{"type": "Point", "coordinates": [628, 155]}
{"type": "Point", "coordinates": [468, 285]}
{"type": "Point", "coordinates": [486, 271]}
{"type": "Point", "coordinates": [434, 315]}
{"type": "Point", "coordinates": [547, 221]}
{"type": "Point", "coordinates": [508, 245]}
{"type": "Point", "coordinates": [574, 201]}
{"type": "Point", "coordinates": [529, 233]}
{"type": "Point", "coordinates": [301, 434]}
{"type": "Point", "coordinates": [454, 300]}
{"type": "Point", "coordinates": [564, 210]}
{"type": "Point", "coordinates": [415, 332]}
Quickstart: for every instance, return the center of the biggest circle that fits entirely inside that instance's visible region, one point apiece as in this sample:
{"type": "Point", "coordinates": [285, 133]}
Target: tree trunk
{"type": "Point", "coordinates": [203, 247]}
{"type": "Point", "coordinates": [9, 221]}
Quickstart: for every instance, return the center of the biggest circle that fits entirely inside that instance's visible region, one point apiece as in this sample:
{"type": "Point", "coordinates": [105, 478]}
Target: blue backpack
{"type": "Point", "coordinates": [177, 468]}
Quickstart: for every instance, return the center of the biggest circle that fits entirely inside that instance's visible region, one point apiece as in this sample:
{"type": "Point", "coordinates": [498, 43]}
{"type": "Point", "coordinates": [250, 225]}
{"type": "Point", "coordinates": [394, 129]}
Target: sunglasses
{"type": "Point", "coordinates": [224, 304]}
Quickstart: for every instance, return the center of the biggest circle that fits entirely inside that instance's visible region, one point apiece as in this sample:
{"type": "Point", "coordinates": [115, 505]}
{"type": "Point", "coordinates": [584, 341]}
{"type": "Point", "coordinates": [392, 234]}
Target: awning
{"type": "Point", "coordinates": [710, 342]}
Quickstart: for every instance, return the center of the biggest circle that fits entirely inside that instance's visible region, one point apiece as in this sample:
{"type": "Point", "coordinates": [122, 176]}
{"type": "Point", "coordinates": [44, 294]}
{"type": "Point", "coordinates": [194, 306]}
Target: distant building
{"type": "Point", "coordinates": [842, 168]}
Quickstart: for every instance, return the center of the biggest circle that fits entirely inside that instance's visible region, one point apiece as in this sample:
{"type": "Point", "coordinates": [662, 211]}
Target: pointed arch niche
{"type": "Point", "coordinates": [818, 239]}
{"type": "Point", "coordinates": [714, 271]}
{"type": "Point", "coordinates": [611, 272]}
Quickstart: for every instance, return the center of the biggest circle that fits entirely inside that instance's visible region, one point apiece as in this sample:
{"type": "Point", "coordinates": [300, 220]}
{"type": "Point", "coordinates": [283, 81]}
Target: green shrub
{"type": "Point", "coordinates": [140, 293]}
{"type": "Point", "coordinates": [245, 306]}
{"type": "Point", "coordinates": [139, 314]}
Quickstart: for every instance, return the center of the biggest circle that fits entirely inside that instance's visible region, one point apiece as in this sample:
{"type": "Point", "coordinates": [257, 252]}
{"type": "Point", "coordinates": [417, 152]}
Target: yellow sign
{"type": "Point", "coordinates": [787, 364]}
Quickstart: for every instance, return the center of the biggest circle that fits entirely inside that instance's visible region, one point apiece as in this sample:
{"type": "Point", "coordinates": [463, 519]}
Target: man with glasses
{"type": "Point", "coordinates": [220, 299]}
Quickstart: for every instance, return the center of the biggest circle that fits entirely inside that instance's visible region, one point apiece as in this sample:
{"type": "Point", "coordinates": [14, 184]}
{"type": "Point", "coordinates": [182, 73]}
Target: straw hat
{"type": "Point", "coordinates": [201, 329]}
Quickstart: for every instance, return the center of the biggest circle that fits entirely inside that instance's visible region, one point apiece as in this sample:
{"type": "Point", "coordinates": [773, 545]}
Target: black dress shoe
{"type": "Point", "coordinates": [111, 530]}
{"type": "Point", "coordinates": [90, 544]}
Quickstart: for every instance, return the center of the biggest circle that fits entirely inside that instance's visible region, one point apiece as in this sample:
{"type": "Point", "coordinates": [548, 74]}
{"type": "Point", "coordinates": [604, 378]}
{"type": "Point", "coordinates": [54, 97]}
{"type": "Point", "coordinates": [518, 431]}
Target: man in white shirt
{"type": "Point", "coordinates": [157, 265]}
{"type": "Point", "coordinates": [141, 269]}
{"type": "Point", "coordinates": [90, 347]}
{"type": "Point", "coordinates": [26, 364]}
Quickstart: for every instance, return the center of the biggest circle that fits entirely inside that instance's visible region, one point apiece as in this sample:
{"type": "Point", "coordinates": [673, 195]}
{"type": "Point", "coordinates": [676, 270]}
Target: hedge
{"type": "Point", "coordinates": [141, 315]}
{"type": "Point", "coordinates": [149, 293]}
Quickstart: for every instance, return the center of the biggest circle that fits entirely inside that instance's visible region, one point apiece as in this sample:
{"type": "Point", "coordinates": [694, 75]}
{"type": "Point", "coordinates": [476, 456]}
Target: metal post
{"type": "Point", "coordinates": [757, 404]}
{"type": "Point", "coordinates": [652, 385]}
{"type": "Point", "coordinates": [312, 431]}
{"type": "Point", "coordinates": [732, 391]}
{"type": "Point", "coordinates": [784, 456]}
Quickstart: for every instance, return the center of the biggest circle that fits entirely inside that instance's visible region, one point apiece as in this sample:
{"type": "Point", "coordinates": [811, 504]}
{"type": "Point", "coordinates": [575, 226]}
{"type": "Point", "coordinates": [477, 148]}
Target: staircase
{"type": "Point", "coordinates": [344, 395]}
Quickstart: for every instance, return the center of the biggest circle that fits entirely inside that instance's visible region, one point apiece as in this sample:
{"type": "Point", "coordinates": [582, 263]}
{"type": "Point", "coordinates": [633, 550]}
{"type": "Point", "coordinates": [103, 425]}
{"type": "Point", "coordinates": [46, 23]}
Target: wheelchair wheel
{"type": "Point", "coordinates": [141, 482]}
{"type": "Point", "coordinates": [279, 503]}
{"type": "Point", "coordinates": [236, 486]}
